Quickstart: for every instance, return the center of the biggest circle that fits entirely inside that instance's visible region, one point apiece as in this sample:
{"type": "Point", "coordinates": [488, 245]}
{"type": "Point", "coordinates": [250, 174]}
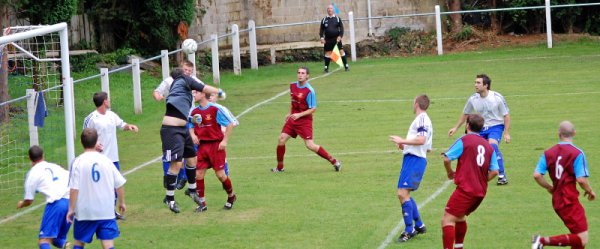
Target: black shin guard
{"type": "Point", "coordinates": [191, 175]}
{"type": "Point", "coordinates": [327, 60]}
{"type": "Point", "coordinates": [170, 181]}
{"type": "Point", "coordinates": [344, 60]}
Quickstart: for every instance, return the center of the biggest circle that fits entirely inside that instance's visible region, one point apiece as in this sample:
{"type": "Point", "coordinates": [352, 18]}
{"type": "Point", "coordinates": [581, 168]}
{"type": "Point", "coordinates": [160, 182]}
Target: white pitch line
{"type": "Point", "coordinates": [19, 214]}
{"type": "Point", "coordinates": [438, 99]}
{"type": "Point", "coordinates": [397, 228]}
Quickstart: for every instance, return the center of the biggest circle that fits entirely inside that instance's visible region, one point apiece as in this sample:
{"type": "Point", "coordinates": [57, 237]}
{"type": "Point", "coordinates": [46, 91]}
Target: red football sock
{"type": "Point", "coordinates": [200, 187]}
{"type": "Point", "coordinates": [323, 153]}
{"type": "Point", "coordinates": [563, 240]}
{"type": "Point", "coordinates": [280, 154]}
{"type": "Point", "coordinates": [461, 231]}
{"type": "Point", "coordinates": [227, 186]}
{"type": "Point", "coordinates": [448, 237]}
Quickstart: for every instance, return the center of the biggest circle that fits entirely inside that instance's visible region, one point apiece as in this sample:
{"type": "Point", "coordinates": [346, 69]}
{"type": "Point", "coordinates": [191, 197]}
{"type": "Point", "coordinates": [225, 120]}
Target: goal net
{"type": "Point", "coordinates": [34, 58]}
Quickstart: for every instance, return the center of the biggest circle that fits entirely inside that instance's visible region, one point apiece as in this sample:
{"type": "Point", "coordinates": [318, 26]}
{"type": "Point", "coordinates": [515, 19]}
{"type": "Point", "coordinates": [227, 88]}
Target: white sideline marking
{"type": "Point", "coordinates": [19, 214]}
{"type": "Point", "coordinates": [451, 98]}
{"type": "Point", "coordinates": [397, 228]}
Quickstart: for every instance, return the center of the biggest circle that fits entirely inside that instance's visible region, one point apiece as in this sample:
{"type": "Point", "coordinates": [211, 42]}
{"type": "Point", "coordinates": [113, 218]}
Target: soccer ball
{"type": "Point", "coordinates": [189, 46]}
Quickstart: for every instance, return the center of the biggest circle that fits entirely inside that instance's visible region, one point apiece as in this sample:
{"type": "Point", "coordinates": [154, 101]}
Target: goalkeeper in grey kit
{"type": "Point", "coordinates": [331, 33]}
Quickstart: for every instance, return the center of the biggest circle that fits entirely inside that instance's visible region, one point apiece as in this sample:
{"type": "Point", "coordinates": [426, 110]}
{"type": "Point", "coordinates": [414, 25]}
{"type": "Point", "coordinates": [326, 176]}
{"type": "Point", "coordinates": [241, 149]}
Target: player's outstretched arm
{"type": "Point", "coordinates": [460, 122]}
{"type": "Point", "coordinates": [24, 203]}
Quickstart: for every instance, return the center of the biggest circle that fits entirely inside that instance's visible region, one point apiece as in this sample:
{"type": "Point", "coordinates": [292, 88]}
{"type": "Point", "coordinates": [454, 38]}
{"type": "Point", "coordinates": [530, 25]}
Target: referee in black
{"type": "Point", "coordinates": [331, 33]}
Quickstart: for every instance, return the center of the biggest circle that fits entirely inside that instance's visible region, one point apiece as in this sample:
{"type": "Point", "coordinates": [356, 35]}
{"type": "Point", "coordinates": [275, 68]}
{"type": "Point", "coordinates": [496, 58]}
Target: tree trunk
{"type": "Point", "coordinates": [4, 117]}
{"type": "Point", "coordinates": [454, 5]}
{"type": "Point", "coordinates": [494, 22]}
{"type": "Point", "coordinates": [106, 36]}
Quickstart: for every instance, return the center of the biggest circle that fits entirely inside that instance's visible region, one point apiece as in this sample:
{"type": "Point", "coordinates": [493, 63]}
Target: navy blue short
{"type": "Point", "coordinates": [411, 174]}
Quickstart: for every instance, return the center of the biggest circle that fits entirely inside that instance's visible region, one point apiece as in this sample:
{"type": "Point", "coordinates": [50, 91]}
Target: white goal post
{"type": "Point", "coordinates": [66, 80]}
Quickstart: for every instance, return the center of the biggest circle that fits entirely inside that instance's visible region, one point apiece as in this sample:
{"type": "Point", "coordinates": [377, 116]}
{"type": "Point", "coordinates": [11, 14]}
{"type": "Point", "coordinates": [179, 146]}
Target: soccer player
{"type": "Point", "coordinates": [160, 93]}
{"type": "Point", "coordinates": [205, 129]}
{"type": "Point", "coordinates": [298, 121]}
{"type": "Point", "coordinates": [176, 141]}
{"type": "Point", "coordinates": [213, 99]}
{"type": "Point", "coordinates": [492, 106]}
{"type": "Point", "coordinates": [106, 123]}
{"type": "Point", "coordinates": [417, 143]}
{"type": "Point", "coordinates": [92, 182]}
{"type": "Point", "coordinates": [50, 180]}
{"type": "Point", "coordinates": [566, 165]}
{"type": "Point", "coordinates": [477, 164]}
{"type": "Point", "coordinates": [331, 32]}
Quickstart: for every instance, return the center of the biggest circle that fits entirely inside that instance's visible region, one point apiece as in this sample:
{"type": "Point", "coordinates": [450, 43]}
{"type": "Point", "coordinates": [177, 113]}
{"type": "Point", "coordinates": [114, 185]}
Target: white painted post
{"type": "Point", "coordinates": [253, 50]}
{"type": "Point", "coordinates": [104, 82]}
{"type": "Point", "coordinates": [438, 30]}
{"type": "Point", "coordinates": [69, 97]}
{"type": "Point", "coordinates": [548, 24]}
{"type": "Point", "coordinates": [137, 88]}
{"type": "Point", "coordinates": [273, 56]}
{"type": "Point", "coordinates": [215, 58]}
{"type": "Point", "coordinates": [33, 131]}
{"type": "Point", "coordinates": [235, 49]}
{"type": "Point", "coordinates": [164, 62]}
{"type": "Point", "coordinates": [192, 58]}
{"type": "Point", "coordinates": [369, 18]}
{"type": "Point", "coordinates": [352, 36]}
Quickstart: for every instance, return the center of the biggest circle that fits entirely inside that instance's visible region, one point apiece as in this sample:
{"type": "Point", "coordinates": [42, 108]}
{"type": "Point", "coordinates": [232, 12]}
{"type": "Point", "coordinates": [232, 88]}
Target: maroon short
{"type": "Point", "coordinates": [209, 156]}
{"type": "Point", "coordinates": [299, 127]}
{"type": "Point", "coordinates": [574, 217]}
{"type": "Point", "coordinates": [462, 204]}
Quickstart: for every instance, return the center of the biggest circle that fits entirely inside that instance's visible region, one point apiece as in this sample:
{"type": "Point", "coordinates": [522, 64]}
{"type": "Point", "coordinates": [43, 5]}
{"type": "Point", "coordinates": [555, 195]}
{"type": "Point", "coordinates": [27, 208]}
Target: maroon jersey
{"type": "Point", "coordinates": [475, 158]}
{"type": "Point", "coordinates": [209, 129]}
{"type": "Point", "coordinates": [303, 98]}
{"type": "Point", "coordinates": [560, 161]}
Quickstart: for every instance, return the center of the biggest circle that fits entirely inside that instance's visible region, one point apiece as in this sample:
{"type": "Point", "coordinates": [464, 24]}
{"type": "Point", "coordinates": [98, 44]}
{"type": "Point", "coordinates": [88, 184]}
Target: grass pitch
{"type": "Point", "coordinates": [310, 205]}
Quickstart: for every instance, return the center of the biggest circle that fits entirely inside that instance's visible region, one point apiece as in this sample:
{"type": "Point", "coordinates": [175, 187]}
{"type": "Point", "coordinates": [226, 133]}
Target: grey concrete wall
{"type": "Point", "coordinates": [216, 17]}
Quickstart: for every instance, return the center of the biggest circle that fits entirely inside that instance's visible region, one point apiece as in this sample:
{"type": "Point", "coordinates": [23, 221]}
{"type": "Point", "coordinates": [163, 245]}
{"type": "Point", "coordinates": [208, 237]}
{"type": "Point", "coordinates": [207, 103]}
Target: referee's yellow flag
{"type": "Point", "coordinates": [336, 57]}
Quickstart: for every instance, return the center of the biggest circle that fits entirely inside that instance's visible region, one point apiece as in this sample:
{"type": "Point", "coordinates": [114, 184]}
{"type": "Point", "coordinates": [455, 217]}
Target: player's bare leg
{"type": "Point", "coordinates": [337, 165]}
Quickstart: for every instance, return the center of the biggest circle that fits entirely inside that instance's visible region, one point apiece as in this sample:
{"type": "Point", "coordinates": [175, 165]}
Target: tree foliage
{"type": "Point", "coordinates": [144, 25]}
{"type": "Point", "coordinates": [44, 11]}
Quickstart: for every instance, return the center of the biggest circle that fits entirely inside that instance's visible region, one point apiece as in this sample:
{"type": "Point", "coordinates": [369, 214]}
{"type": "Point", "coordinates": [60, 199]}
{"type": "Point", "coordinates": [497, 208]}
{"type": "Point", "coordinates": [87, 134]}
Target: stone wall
{"type": "Point", "coordinates": [217, 16]}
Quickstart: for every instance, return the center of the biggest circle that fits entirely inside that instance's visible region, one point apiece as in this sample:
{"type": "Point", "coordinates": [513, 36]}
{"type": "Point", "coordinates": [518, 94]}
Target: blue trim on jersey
{"type": "Point", "coordinates": [311, 99]}
{"type": "Point", "coordinates": [455, 150]}
{"type": "Point", "coordinates": [580, 166]}
{"type": "Point", "coordinates": [541, 167]}
{"type": "Point", "coordinates": [493, 132]}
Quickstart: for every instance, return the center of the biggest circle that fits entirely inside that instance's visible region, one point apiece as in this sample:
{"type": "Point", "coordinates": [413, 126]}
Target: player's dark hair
{"type": "Point", "coordinates": [36, 153]}
{"type": "Point", "coordinates": [89, 137]}
{"type": "Point", "coordinates": [176, 73]}
{"type": "Point", "coordinates": [486, 80]}
{"type": "Point", "coordinates": [305, 69]}
{"type": "Point", "coordinates": [422, 101]}
{"type": "Point", "coordinates": [99, 98]}
{"type": "Point", "coordinates": [475, 122]}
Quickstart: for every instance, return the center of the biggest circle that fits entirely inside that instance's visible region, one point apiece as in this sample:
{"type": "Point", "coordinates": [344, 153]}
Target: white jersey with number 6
{"type": "Point", "coordinates": [96, 178]}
